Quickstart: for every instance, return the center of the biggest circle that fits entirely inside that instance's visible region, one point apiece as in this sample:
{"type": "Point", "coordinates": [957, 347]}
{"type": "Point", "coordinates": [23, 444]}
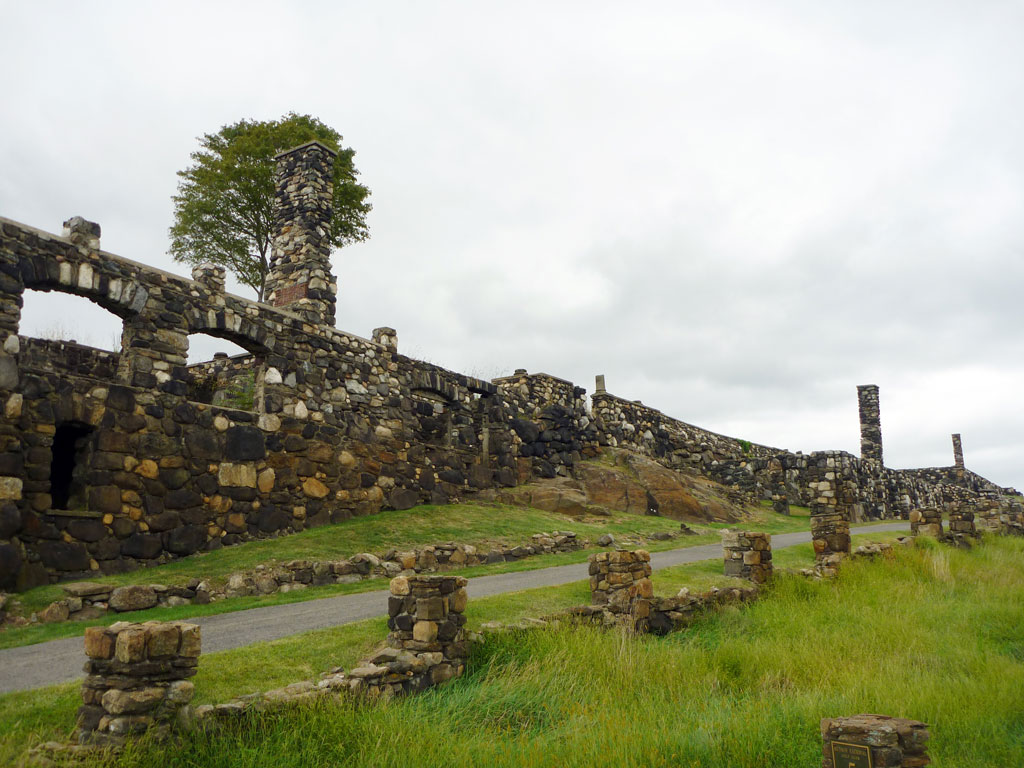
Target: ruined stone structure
{"type": "Point", "coordinates": [114, 460]}
{"type": "Point", "coordinates": [427, 644]}
{"type": "Point", "coordinates": [888, 742]}
{"type": "Point", "coordinates": [958, 452]}
{"type": "Point", "coordinates": [136, 678]}
{"type": "Point", "coordinates": [870, 423]}
{"type": "Point", "coordinates": [830, 536]}
{"type": "Point", "coordinates": [620, 583]}
{"type": "Point", "coordinates": [926, 522]}
{"type": "Point", "coordinates": [748, 555]}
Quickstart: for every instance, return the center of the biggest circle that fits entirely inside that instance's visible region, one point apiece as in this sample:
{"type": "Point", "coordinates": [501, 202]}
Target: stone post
{"type": "Point", "coordinates": [958, 452]}
{"type": "Point", "coordinates": [300, 277]}
{"type": "Point", "coordinates": [427, 643]}
{"type": "Point", "coordinates": [210, 276]}
{"type": "Point", "coordinates": [748, 555]}
{"type": "Point", "coordinates": [961, 519]}
{"type": "Point", "coordinates": [599, 383]}
{"type": "Point", "coordinates": [387, 338]}
{"type": "Point", "coordinates": [84, 235]}
{"type": "Point", "coordinates": [926, 522]}
{"type": "Point", "coordinates": [877, 741]}
{"type": "Point", "coordinates": [136, 678]}
{"type": "Point", "coordinates": [830, 535]}
{"type": "Point", "coordinates": [870, 422]}
{"type": "Point", "coordinates": [620, 581]}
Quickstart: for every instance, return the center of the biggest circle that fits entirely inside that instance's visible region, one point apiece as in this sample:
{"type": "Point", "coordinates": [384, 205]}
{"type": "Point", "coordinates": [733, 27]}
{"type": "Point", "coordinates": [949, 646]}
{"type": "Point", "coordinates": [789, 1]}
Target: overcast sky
{"type": "Point", "coordinates": [737, 211]}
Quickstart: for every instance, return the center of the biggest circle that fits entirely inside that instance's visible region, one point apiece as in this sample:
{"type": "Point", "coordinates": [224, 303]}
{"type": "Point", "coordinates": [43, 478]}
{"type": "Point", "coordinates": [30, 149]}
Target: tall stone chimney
{"type": "Point", "coordinates": [300, 277]}
{"type": "Point", "coordinates": [870, 422]}
{"type": "Point", "coordinates": [958, 452]}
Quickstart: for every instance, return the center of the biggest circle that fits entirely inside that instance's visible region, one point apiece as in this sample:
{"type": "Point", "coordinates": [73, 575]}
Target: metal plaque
{"type": "Point", "coordinates": [850, 755]}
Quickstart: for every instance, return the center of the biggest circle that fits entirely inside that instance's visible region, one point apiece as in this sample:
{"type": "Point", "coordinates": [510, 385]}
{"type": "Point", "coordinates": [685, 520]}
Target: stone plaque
{"type": "Point", "coordinates": [850, 755]}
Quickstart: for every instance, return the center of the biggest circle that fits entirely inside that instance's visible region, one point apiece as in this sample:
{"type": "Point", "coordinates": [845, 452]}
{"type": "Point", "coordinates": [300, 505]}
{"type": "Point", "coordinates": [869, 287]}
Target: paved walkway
{"type": "Point", "coordinates": [57, 661]}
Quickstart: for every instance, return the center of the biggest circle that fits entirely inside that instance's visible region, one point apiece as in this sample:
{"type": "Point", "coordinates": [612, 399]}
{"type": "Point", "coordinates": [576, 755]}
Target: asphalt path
{"type": "Point", "coordinates": [58, 661]}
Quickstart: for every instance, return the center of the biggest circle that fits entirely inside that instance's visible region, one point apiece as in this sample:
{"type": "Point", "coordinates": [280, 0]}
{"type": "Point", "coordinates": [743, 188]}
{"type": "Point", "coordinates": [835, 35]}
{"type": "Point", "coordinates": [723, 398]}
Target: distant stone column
{"type": "Point", "coordinates": [748, 555]}
{"type": "Point", "coordinates": [958, 452]}
{"type": "Point", "coordinates": [870, 422]}
{"type": "Point", "coordinates": [300, 277]}
{"type": "Point", "coordinates": [873, 740]}
{"type": "Point", "coordinates": [961, 522]}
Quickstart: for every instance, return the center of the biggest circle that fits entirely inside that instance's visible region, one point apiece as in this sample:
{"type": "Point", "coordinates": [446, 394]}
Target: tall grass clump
{"type": "Point", "coordinates": [928, 633]}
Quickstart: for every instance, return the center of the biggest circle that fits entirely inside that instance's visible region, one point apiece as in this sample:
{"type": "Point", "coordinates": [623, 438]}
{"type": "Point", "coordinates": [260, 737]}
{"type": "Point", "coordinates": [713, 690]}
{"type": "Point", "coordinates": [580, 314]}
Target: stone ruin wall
{"type": "Point", "coordinates": [340, 425]}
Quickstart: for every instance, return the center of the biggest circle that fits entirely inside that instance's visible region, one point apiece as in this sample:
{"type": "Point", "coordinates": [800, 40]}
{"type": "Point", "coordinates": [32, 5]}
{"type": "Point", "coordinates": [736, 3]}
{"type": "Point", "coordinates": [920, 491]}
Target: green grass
{"type": "Point", "coordinates": [928, 632]}
{"type": "Point", "coordinates": [466, 523]}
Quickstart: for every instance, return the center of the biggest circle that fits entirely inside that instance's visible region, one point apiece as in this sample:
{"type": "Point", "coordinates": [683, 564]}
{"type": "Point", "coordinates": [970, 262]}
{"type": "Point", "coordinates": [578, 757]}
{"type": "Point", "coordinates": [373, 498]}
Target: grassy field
{"type": "Point", "coordinates": [466, 523]}
{"type": "Point", "coordinates": [933, 633]}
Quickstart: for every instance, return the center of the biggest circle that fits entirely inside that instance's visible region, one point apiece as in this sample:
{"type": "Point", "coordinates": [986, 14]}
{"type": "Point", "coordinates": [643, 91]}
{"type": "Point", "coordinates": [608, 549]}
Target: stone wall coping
{"type": "Point", "coordinates": [539, 374]}
{"type": "Point", "coordinates": [306, 145]}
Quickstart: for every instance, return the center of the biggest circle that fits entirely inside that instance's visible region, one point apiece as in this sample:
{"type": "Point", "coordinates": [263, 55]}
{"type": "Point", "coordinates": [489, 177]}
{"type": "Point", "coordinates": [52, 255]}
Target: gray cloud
{"type": "Point", "coordinates": [737, 212]}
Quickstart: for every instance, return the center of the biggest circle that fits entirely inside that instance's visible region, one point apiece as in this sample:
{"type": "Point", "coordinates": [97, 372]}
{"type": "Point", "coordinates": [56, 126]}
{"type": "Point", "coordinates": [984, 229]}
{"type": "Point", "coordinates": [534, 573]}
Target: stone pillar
{"type": "Point", "coordinates": [958, 452]}
{"type": "Point", "coordinates": [210, 276]}
{"type": "Point", "coordinates": [830, 535]}
{"type": "Point", "coordinates": [84, 235]}
{"type": "Point", "coordinates": [870, 422]}
{"type": "Point", "coordinates": [387, 338]}
{"type": "Point", "coordinates": [926, 522]}
{"type": "Point", "coordinates": [137, 678]}
{"type": "Point", "coordinates": [873, 740]}
{"type": "Point", "coordinates": [427, 643]}
{"type": "Point", "coordinates": [620, 581]}
{"type": "Point", "coordinates": [300, 277]}
{"type": "Point", "coordinates": [599, 383]}
{"type": "Point", "coordinates": [748, 555]}
{"type": "Point", "coordinates": [961, 519]}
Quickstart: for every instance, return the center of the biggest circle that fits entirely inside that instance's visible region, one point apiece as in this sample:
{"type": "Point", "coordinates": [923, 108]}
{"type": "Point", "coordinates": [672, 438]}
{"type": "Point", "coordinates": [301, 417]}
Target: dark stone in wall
{"type": "Point", "coordinates": [63, 556]}
{"type": "Point", "coordinates": [10, 521]}
{"type": "Point", "coordinates": [105, 499]}
{"type": "Point", "coordinates": [87, 530]}
{"type": "Point", "coordinates": [186, 540]}
{"type": "Point", "coordinates": [143, 546]}
{"type": "Point", "coordinates": [10, 566]}
{"type": "Point", "coordinates": [202, 444]}
{"type": "Point", "coordinates": [244, 443]}
{"type": "Point", "coordinates": [120, 399]}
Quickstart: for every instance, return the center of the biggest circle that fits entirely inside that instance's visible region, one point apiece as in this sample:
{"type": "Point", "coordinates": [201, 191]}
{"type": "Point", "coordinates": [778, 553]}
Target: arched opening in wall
{"type": "Point", "coordinates": [70, 462]}
{"type": "Point", "coordinates": [433, 412]}
{"type": "Point", "coordinates": [223, 373]}
{"type": "Point", "coordinates": [68, 333]}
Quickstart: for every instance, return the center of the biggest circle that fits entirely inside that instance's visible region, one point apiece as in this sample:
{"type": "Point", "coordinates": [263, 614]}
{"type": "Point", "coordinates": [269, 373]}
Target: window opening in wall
{"type": "Point", "coordinates": [69, 465]}
{"type": "Point", "coordinates": [56, 316]}
{"type": "Point", "coordinates": [434, 416]}
{"type": "Point", "coordinates": [222, 373]}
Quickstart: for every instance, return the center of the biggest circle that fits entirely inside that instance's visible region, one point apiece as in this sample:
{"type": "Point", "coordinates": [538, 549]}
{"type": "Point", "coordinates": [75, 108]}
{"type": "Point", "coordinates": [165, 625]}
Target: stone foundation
{"type": "Point", "coordinates": [926, 522]}
{"type": "Point", "coordinates": [427, 644]}
{"type": "Point", "coordinates": [137, 678]}
{"type": "Point", "coordinates": [892, 742]}
{"type": "Point", "coordinates": [620, 583]}
{"type": "Point", "coordinates": [748, 555]}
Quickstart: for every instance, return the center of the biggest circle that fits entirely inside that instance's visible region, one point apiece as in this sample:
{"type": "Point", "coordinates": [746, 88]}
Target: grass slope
{"type": "Point", "coordinates": [931, 633]}
{"type": "Point", "coordinates": [478, 524]}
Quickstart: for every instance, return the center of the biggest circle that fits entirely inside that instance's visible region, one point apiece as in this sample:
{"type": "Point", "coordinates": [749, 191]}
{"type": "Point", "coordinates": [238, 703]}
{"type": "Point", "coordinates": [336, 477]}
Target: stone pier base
{"type": "Point", "coordinates": [891, 742]}
{"type": "Point", "coordinates": [748, 555]}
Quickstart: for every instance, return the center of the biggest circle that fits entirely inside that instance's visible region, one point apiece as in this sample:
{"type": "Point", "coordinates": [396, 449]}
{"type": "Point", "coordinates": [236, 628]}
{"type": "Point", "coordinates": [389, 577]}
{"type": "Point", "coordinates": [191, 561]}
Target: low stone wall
{"type": "Point", "coordinates": [890, 742]}
{"type": "Point", "coordinates": [748, 555]}
{"type": "Point", "coordinates": [89, 600]}
{"type": "Point", "coordinates": [137, 678]}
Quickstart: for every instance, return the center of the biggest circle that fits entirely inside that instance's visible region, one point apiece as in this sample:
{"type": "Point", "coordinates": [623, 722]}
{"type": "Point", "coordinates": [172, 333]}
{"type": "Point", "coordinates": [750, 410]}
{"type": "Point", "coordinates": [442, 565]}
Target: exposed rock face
{"type": "Point", "coordinates": [137, 597]}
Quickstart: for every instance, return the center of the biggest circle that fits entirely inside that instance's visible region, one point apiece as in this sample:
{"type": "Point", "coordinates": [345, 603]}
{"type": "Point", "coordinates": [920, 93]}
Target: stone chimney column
{"type": "Point", "coordinates": [870, 423]}
{"type": "Point", "coordinates": [300, 277]}
{"type": "Point", "coordinates": [958, 452]}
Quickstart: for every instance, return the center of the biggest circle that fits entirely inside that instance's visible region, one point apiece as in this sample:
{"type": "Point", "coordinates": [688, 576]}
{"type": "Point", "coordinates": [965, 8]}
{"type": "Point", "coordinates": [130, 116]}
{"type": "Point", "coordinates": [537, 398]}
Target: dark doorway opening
{"type": "Point", "coordinates": [69, 465]}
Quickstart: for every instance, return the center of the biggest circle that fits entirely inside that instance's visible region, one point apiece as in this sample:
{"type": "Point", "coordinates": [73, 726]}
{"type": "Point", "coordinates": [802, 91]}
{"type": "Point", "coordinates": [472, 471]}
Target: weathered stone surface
{"type": "Point", "coordinates": [136, 597]}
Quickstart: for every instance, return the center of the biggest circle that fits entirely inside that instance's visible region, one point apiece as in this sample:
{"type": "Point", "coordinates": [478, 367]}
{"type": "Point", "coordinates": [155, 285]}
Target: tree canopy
{"type": "Point", "coordinates": [223, 210]}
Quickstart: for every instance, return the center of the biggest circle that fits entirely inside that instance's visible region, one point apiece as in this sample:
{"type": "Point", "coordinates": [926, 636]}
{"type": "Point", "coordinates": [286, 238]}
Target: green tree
{"type": "Point", "coordinates": [223, 211]}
